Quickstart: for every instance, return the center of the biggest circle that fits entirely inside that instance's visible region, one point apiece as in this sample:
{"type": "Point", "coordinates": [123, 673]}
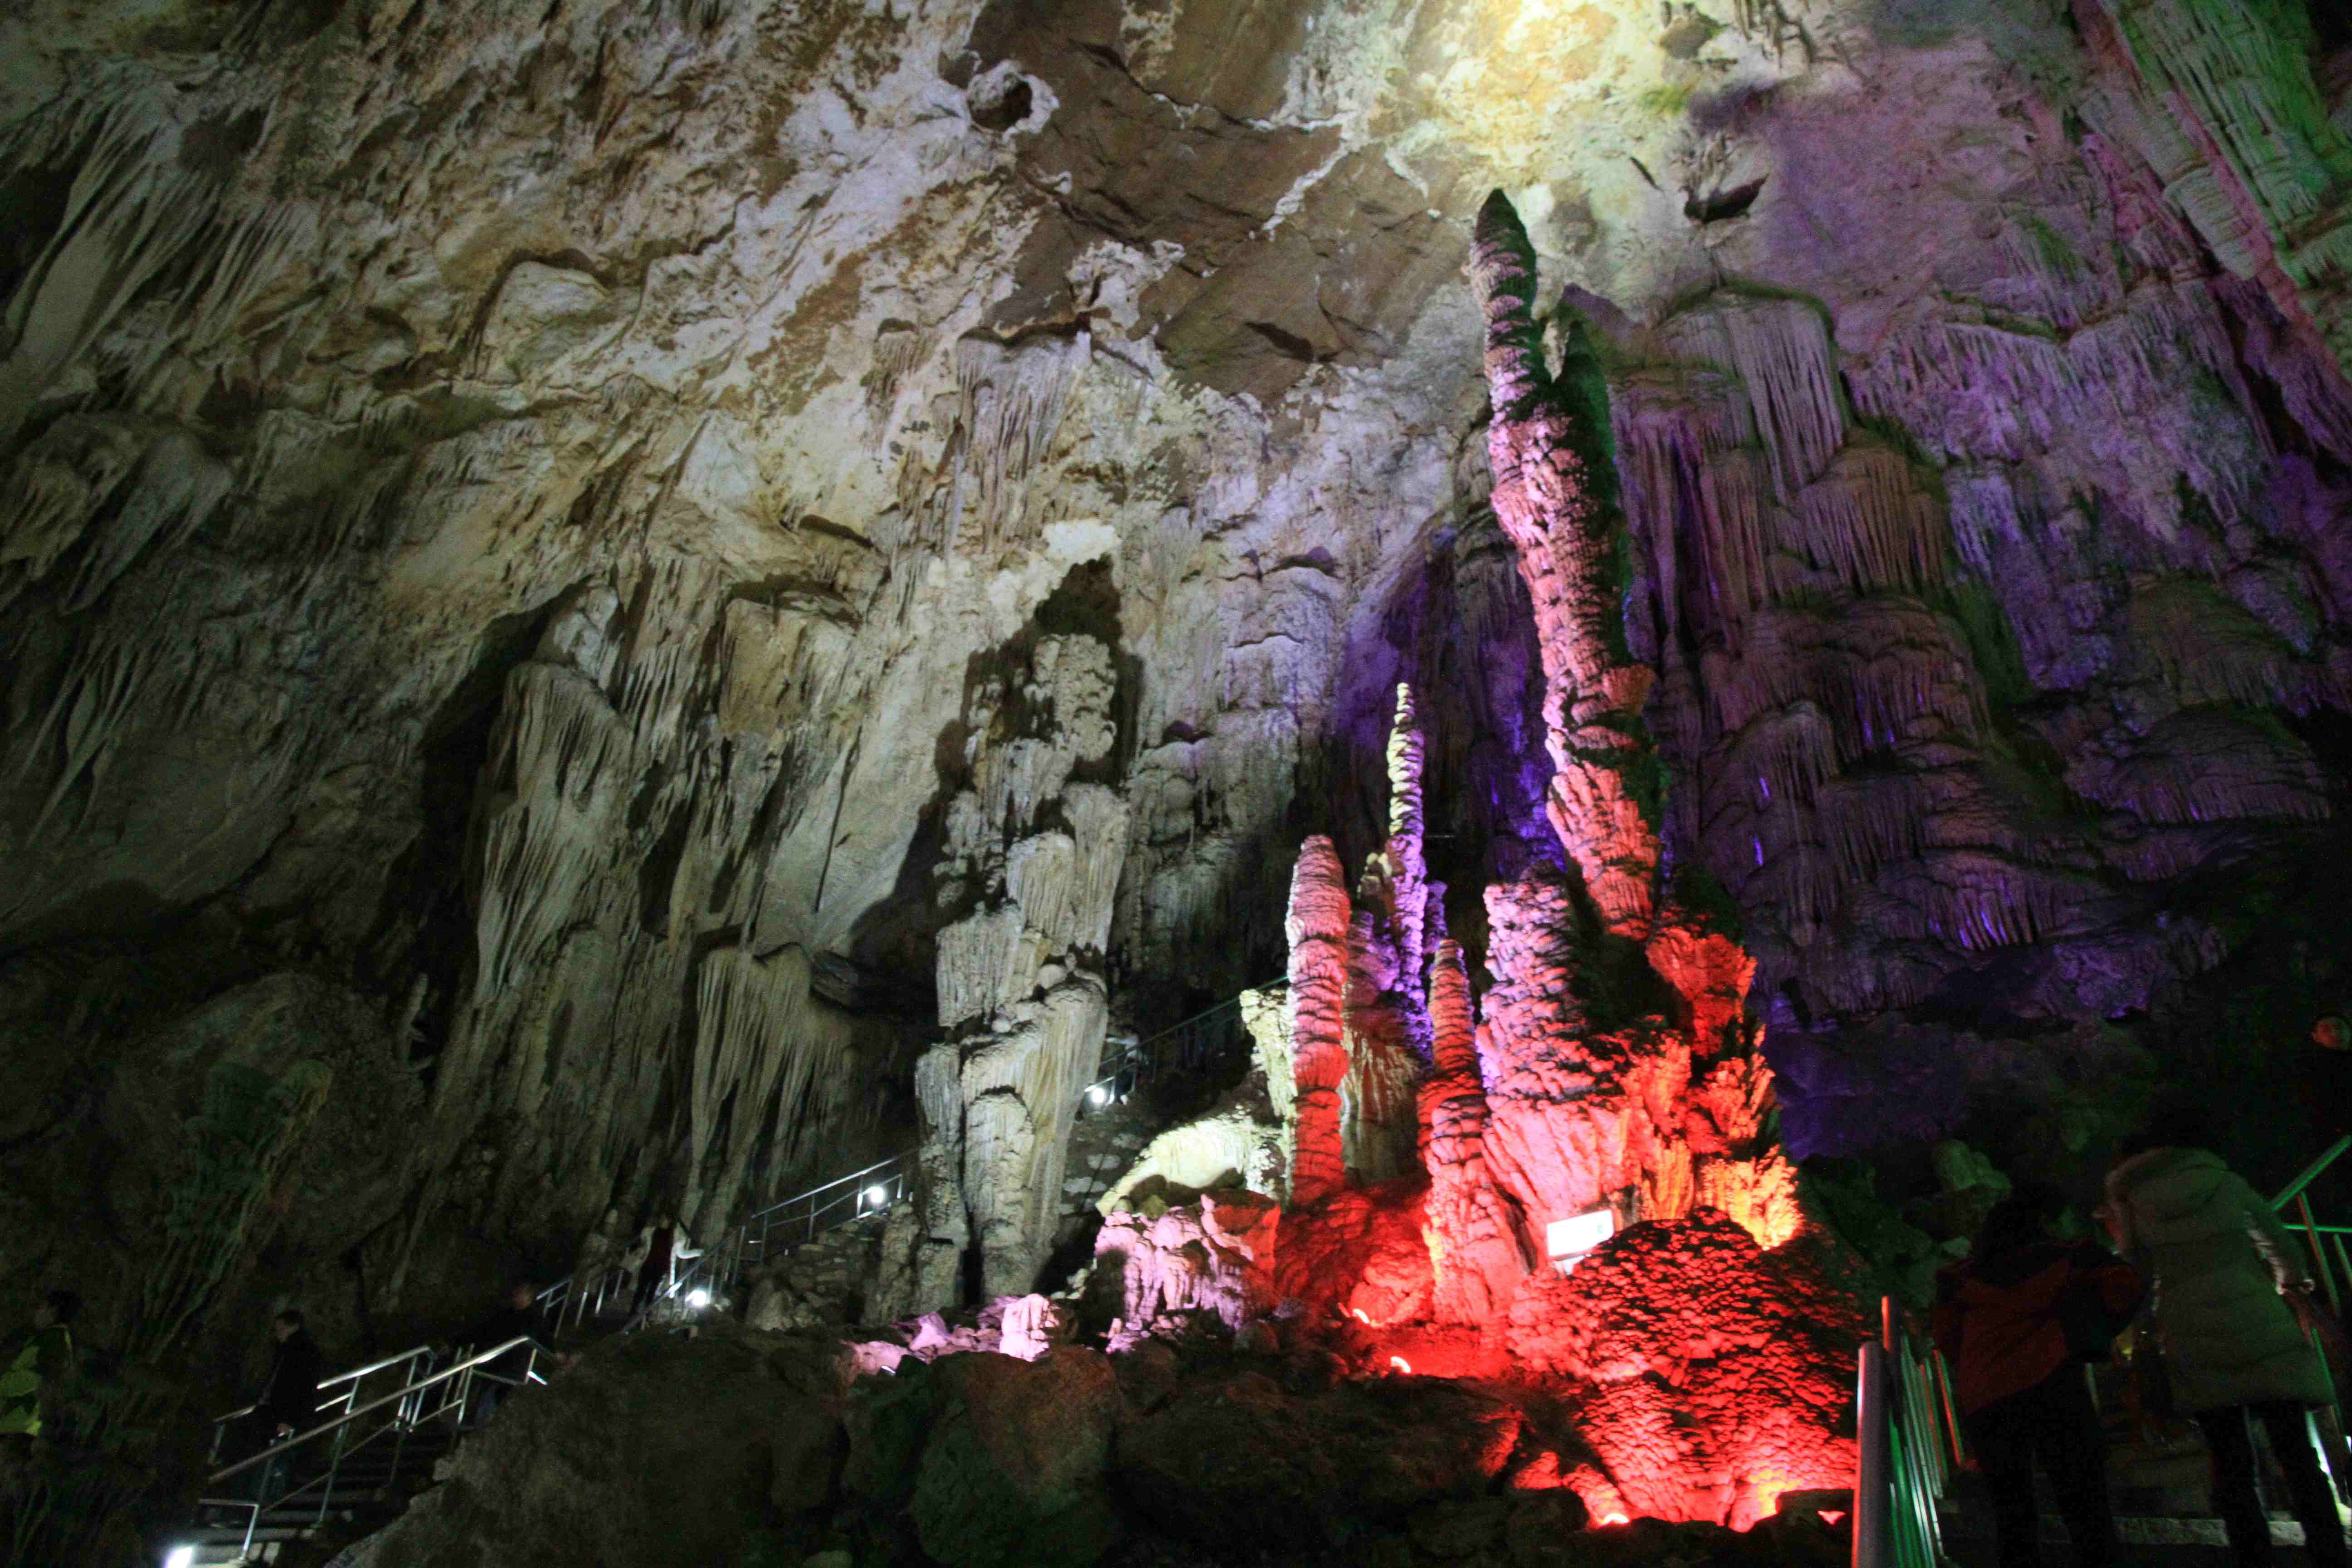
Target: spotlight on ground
{"type": "Point", "coordinates": [697, 1299]}
{"type": "Point", "coordinates": [1099, 1095]}
{"type": "Point", "coordinates": [180, 1557]}
{"type": "Point", "coordinates": [878, 1197]}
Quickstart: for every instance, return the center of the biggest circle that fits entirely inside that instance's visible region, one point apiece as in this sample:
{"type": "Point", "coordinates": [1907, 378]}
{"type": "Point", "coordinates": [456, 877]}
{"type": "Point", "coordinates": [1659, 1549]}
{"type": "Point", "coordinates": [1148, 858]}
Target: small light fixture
{"type": "Point", "coordinates": [1099, 1095]}
{"type": "Point", "coordinates": [1398, 1364]}
{"type": "Point", "coordinates": [180, 1557]}
{"type": "Point", "coordinates": [697, 1299]}
{"type": "Point", "coordinates": [1615, 1519]}
{"type": "Point", "coordinates": [878, 1197]}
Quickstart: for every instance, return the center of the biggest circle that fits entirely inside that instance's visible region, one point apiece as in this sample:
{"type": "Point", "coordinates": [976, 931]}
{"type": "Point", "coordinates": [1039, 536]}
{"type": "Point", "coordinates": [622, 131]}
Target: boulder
{"type": "Point", "coordinates": [1012, 1471]}
{"type": "Point", "coordinates": [1246, 1459]}
{"type": "Point", "coordinates": [1459, 1527]}
{"type": "Point", "coordinates": [1543, 1528]}
{"type": "Point", "coordinates": [651, 1448]}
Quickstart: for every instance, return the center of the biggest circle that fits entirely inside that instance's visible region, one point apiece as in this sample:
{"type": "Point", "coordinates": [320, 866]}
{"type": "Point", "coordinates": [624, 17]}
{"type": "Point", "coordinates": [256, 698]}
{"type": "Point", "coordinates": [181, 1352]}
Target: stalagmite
{"type": "Point", "coordinates": [1477, 1248]}
{"type": "Point", "coordinates": [1578, 1120]}
{"type": "Point", "coordinates": [1021, 994]}
{"type": "Point", "coordinates": [1546, 500]}
{"type": "Point", "coordinates": [1317, 929]}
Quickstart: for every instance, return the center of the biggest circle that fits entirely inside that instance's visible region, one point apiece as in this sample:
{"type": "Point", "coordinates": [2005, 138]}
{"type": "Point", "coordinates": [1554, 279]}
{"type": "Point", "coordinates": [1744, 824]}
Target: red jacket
{"type": "Point", "coordinates": [2001, 1323]}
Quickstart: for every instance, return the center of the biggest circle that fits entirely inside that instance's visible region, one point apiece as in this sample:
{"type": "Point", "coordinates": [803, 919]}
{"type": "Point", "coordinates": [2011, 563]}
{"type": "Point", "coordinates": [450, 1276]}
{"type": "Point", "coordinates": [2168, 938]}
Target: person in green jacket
{"type": "Point", "coordinates": [44, 1356]}
{"type": "Point", "coordinates": [2221, 1268]}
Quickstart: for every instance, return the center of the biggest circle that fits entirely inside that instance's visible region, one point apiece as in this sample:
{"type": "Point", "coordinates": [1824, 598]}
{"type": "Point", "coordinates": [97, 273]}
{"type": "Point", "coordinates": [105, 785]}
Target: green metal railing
{"type": "Point", "coordinates": [2328, 1436]}
{"type": "Point", "coordinates": [1910, 1443]}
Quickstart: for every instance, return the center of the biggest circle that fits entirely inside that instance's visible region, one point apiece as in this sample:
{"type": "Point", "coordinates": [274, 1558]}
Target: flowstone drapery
{"type": "Point", "coordinates": [1033, 852]}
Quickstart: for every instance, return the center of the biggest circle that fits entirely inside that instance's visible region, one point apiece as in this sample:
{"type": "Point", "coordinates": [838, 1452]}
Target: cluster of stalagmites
{"type": "Point", "coordinates": [1452, 1158]}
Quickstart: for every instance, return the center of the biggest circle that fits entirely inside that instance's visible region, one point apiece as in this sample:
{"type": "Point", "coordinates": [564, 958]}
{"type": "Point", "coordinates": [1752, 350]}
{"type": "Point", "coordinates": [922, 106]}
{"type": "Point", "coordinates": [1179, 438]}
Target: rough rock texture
{"type": "Point", "coordinates": [1665, 1110]}
{"type": "Point", "coordinates": [1710, 1382]}
{"type": "Point", "coordinates": [1012, 1469]}
{"type": "Point", "coordinates": [1246, 1457]}
{"type": "Point", "coordinates": [519, 513]}
{"type": "Point", "coordinates": [653, 1448]}
{"type": "Point", "coordinates": [1033, 849]}
{"type": "Point", "coordinates": [1214, 1257]}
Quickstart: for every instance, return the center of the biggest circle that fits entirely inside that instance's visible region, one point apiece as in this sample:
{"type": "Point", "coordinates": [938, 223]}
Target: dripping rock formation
{"type": "Point", "coordinates": [609, 613]}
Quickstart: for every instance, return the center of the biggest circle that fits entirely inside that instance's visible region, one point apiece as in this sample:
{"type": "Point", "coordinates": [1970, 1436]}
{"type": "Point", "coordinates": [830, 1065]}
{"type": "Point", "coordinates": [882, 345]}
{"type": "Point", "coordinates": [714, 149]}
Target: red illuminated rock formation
{"type": "Point", "coordinates": [1317, 929]}
{"type": "Point", "coordinates": [1475, 1247]}
{"type": "Point", "coordinates": [1709, 1384]}
{"type": "Point", "coordinates": [1581, 1117]}
{"type": "Point", "coordinates": [1567, 545]}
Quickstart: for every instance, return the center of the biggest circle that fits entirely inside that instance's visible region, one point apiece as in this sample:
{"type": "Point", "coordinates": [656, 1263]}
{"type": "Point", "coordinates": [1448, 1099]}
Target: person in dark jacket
{"type": "Point", "coordinates": [516, 1318]}
{"type": "Point", "coordinates": [289, 1404]}
{"type": "Point", "coordinates": [2222, 1270]}
{"type": "Point", "coordinates": [2017, 1321]}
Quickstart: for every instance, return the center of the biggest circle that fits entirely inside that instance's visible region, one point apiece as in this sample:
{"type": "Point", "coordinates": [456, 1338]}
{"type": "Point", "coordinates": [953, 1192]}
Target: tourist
{"type": "Point", "coordinates": [2223, 1272]}
{"type": "Point", "coordinates": [36, 1361]}
{"type": "Point", "coordinates": [2018, 1321]}
{"type": "Point", "coordinates": [653, 1274]}
{"type": "Point", "coordinates": [289, 1404]}
{"type": "Point", "coordinates": [515, 1317]}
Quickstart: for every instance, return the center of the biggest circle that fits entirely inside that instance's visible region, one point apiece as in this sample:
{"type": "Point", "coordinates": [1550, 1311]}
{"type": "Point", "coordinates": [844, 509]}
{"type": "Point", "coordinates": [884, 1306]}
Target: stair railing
{"type": "Point", "coordinates": [583, 1293]}
{"type": "Point", "coordinates": [2327, 1436]}
{"type": "Point", "coordinates": [453, 1385]}
{"type": "Point", "coordinates": [412, 1361]}
{"type": "Point", "coordinates": [805, 1215]}
{"type": "Point", "coordinates": [1909, 1441]}
{"type": "Point", "coordinates": [1198, 1044]}
{"type": "Point", "coordinates": [1191, 1045]}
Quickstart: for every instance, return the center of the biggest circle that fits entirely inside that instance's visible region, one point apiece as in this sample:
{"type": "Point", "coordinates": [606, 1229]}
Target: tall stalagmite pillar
{"type": "Point", "coordinates": [1317, 928]}
{"type": "Point", "coordinates": [1581, 1116]}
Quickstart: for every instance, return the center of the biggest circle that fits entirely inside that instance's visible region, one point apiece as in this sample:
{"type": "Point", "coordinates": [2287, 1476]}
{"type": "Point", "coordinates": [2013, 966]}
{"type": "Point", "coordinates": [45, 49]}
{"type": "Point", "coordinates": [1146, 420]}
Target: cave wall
{"type": "Point", "coordinates": [508, 508]}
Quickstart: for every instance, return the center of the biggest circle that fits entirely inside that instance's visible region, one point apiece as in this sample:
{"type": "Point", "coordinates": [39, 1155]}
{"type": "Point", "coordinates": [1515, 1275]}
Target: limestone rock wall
{"type": "Point", "coordinates": [1033, 850]}
{"type": "Point", "coordinates": [504, 506]}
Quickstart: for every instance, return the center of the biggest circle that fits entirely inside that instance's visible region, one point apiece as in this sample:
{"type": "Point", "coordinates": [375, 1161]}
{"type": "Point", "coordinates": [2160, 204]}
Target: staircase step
{"type": "Point", "coordinates": [2132, 1529]}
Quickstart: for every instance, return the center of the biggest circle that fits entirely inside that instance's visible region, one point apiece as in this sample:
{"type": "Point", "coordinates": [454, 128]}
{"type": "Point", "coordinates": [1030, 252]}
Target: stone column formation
{"type": "Point", "coordinates": [1035, 855]}
{"type": "Point", "coordinates": [1580, 1117]}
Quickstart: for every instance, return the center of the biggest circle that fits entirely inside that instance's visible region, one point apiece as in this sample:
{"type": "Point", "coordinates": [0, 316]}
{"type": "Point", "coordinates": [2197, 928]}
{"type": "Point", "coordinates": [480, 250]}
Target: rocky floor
{"type": "Point", "coordinates": [735, 1447]}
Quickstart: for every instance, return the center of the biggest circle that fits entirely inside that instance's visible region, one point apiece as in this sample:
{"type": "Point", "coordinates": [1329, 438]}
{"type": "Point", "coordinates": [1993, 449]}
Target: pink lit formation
{"type": "Point", "coordinates": [1441, 1141]}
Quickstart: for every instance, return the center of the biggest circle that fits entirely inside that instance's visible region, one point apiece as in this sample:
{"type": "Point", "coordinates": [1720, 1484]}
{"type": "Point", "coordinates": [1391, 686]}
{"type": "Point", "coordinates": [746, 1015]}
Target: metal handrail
{"type": "Point", "coordinates": [429, 1380]}
{"type": "Point", "coordinates": [754, 1236]}
{"type": "Point", "coordinates": [351, 1376]}
{"type": "Point", "coordinates": [828, 1187]}
{"type": "Point", "coordinates": [1142, 1057]}
{"type": "Point", "coordinates": [1909, 1443]}
{"type": "Point", "coordinates": [2312, 1172]}
{"type": "Point", "coordinates": [410, 1414]}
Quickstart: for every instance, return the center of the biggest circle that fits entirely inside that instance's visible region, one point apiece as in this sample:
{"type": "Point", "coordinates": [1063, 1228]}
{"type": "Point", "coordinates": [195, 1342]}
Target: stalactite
{"type": "Point", "coordinates": [753, 1050]}
{"type": "Point", "coordinates": [568, 754]}
{"type": "Point", "coordinates": [1867, 520]}
{"type": "Point", "coordinates": [1010, 401]}
{"type": "Point", "coordinates": [93, 703]}
{"type": "Point", "coordinates": [1780, 351]}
